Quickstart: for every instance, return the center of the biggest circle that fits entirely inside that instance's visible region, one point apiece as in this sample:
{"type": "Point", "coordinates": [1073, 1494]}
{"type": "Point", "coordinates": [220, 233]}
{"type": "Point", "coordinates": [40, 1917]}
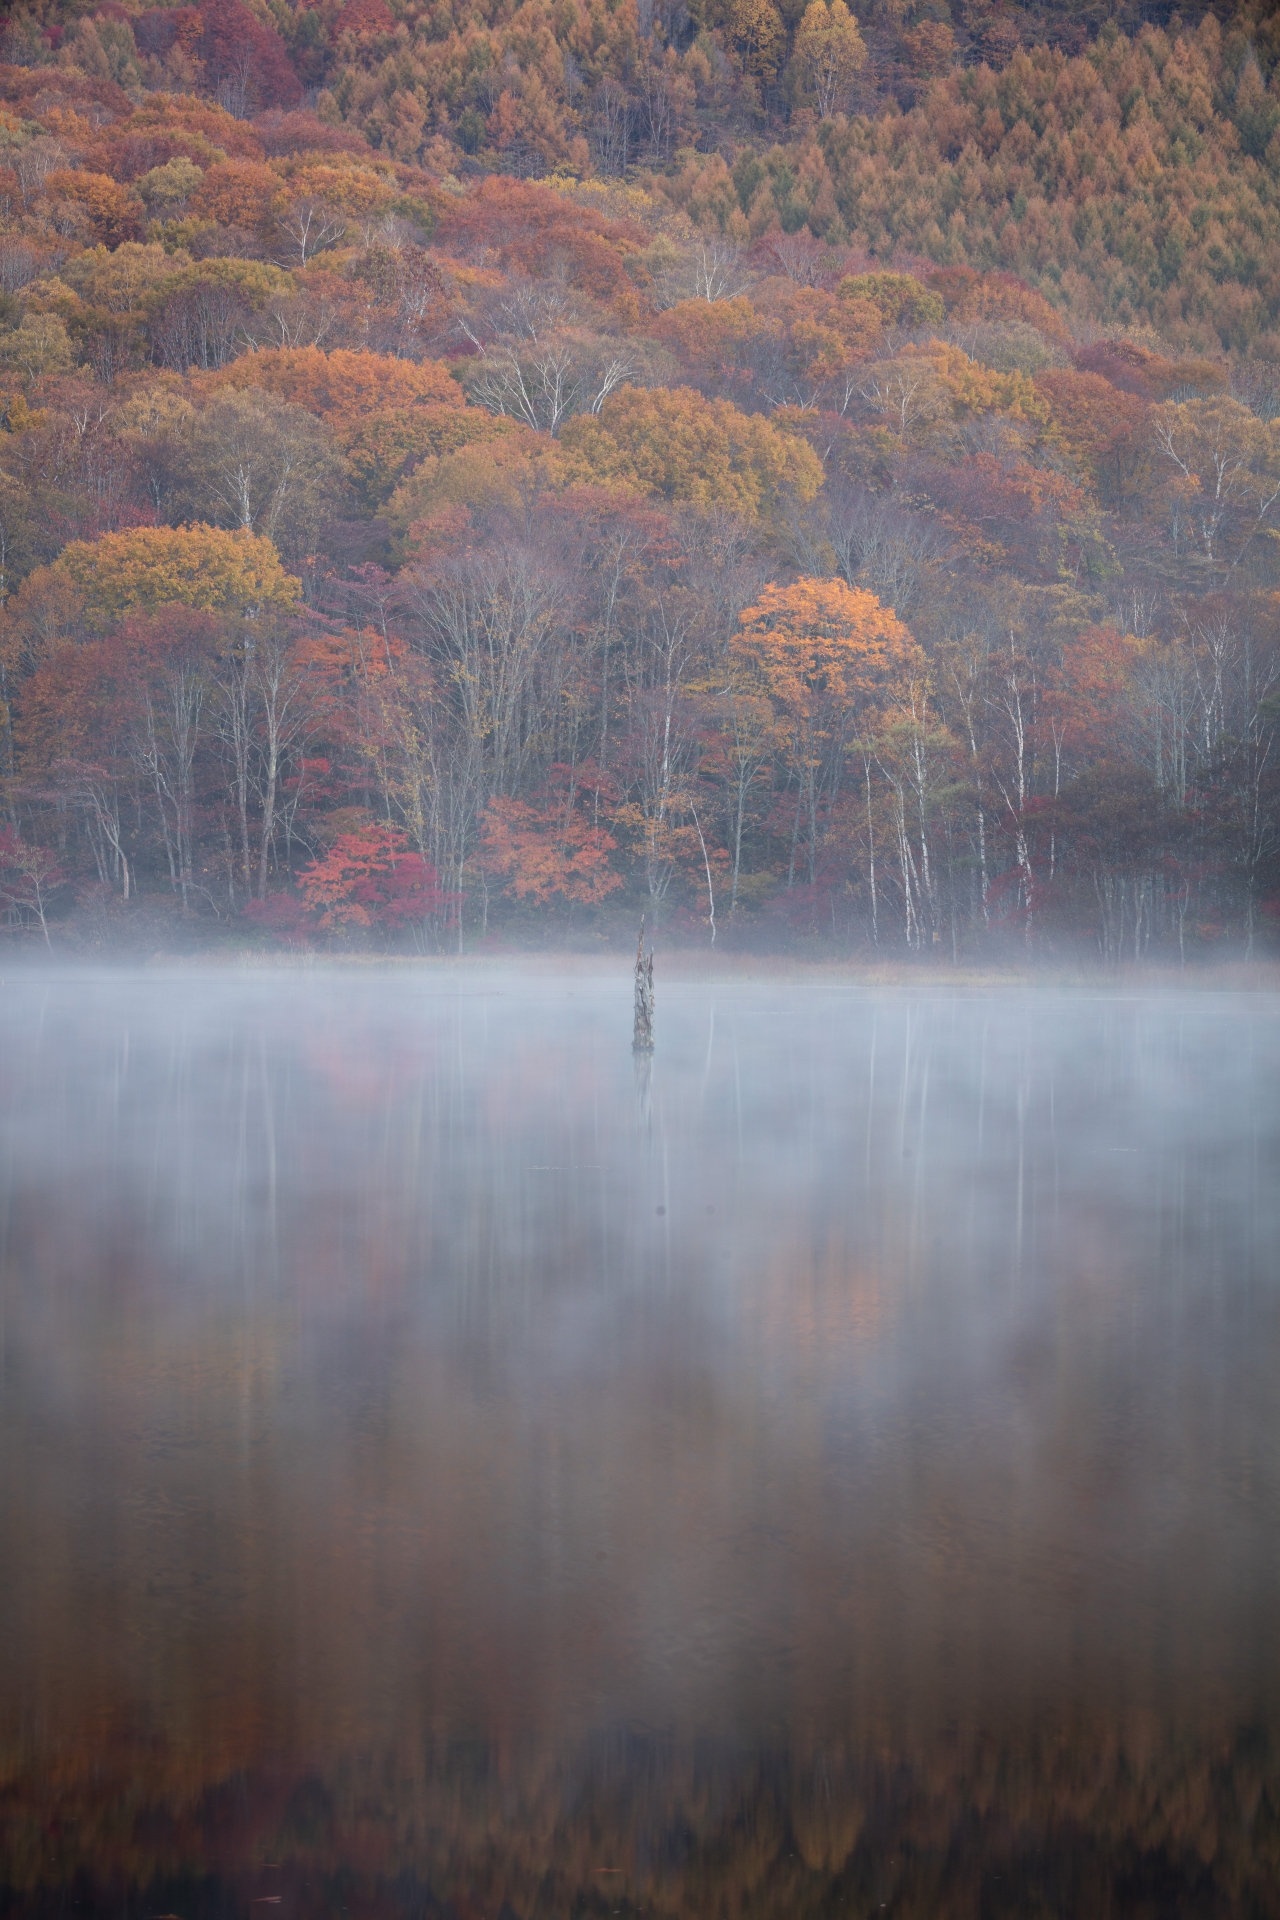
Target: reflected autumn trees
{"type": "Point", "coordinates": [428, 1465]}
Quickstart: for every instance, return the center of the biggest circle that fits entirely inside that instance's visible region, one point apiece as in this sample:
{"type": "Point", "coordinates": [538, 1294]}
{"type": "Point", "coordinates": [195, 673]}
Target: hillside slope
{"type": "Point", "coordinates": [837, 499]}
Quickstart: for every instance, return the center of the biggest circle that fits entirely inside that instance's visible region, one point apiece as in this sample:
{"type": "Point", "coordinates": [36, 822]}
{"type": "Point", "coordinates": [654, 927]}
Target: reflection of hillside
{"type": "Point", "coordinates": [394, 1408]}
{"type": "Point", "coordinates": [1065, 1818]}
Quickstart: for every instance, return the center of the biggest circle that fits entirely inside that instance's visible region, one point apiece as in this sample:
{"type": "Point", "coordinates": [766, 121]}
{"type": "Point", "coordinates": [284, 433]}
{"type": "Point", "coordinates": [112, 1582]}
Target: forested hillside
{"type": "Point", "coordinates": [473, 473]}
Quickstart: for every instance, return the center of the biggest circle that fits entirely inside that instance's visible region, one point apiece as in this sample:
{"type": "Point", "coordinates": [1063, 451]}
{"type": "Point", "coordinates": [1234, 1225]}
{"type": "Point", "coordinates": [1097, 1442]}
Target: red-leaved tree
{"type": "Point", "coordinates": [373, 879]}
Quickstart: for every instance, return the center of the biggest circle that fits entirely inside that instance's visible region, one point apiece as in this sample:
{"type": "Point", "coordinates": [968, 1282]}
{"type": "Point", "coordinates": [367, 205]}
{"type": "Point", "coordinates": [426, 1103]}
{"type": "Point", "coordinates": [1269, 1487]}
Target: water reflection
{"type": "Point", "coordinates": [833, 1469]}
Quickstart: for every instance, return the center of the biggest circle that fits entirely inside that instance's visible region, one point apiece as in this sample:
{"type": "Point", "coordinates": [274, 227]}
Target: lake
{"type": "Point", "coordinates": [448, 1468]}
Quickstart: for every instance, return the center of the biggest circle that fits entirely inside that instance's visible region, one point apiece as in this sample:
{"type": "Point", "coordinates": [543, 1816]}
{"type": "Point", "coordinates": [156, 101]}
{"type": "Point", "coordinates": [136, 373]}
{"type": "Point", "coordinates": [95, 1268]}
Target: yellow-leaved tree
{"type": "Point", "coordinates": [829, 656]}
{"type": "Point", "coordinates": [384, 448]}
{"type": "Point", "coordinates": [829, 54]}
{"type": "Point", "coordinates": [237, 575]}
{"type": "Point", "coordinates": [674, 443]}
{"type": "Point", "coordinates": [899, 298]}
{"type": "Point", "coordinates": [759, 34]}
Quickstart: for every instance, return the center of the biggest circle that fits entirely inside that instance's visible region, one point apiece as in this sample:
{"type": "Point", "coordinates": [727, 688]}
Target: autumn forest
{"type": "Point", "coordinates": [472, 472]}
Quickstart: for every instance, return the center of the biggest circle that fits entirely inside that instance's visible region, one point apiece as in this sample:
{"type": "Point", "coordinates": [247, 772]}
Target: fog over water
{"type": "Point", "coordinates": [461, 1445]}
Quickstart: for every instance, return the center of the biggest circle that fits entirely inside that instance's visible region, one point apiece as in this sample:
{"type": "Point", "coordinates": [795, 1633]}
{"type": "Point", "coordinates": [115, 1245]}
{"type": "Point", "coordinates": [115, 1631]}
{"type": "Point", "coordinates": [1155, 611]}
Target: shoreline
{"type": "Point", "coordinates": [685, 966]}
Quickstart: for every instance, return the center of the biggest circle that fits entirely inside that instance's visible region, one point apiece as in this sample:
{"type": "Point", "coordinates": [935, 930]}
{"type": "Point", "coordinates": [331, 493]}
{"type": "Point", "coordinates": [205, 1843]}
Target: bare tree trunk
{"type": "Point", "coordinates": [871, 844]}
{"type": "Point", "coordinates": [711, 898]}
{"type": "Point", "coordinates": [235, 727]}
{"type": "Point", "coordinates": [642, 1040]}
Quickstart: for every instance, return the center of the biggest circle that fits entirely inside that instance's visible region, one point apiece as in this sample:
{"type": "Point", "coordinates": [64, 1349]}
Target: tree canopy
{"type": "Point", "coordinates": [209, 568]}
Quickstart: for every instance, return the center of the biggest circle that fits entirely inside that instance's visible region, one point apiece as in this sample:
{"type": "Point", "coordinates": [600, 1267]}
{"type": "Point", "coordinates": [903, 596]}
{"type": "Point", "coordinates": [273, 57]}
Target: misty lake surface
{"type": "Point", "coordinates": [449, 1468]}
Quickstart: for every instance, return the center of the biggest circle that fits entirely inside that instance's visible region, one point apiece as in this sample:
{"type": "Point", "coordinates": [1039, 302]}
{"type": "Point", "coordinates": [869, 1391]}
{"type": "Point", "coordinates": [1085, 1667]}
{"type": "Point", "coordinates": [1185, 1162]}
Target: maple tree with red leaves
{"type": "Point", "coordinates": [373, 879]}
{"type": "Point", "coordinates": [555, 847]}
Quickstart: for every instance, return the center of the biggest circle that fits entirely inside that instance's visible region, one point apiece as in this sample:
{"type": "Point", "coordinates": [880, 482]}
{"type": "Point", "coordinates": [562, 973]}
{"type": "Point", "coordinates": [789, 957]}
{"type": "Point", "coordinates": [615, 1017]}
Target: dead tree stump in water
{"type": "Point", "coordinates": [642, 1039]}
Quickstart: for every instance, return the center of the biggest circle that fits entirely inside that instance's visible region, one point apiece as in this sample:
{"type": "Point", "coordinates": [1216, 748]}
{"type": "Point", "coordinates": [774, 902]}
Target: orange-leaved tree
{"type": "Point", "coordinates": [712, 339]}
{"type": "Point", "coordinates": [372, 878]}
{"type": "Point", "coordinates": [555, 849]}
{"type": "Point", "coordinates": [239, 193]}
{"type": "Point", "coordinates": [110, 210]}
{"type": "Point", "coordinates": [1091, 705]}
{"type": "Point", "coordinates": [530, 229]}
{"type": "Point", "coordinates": [343, 387]}
{"type": "Point", "coordinates": [828, 655]}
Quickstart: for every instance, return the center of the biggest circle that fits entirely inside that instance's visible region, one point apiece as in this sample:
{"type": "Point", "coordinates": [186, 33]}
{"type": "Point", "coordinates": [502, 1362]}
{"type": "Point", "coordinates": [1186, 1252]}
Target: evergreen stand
{"type": "Point", "coordinates": [642, 1039]}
